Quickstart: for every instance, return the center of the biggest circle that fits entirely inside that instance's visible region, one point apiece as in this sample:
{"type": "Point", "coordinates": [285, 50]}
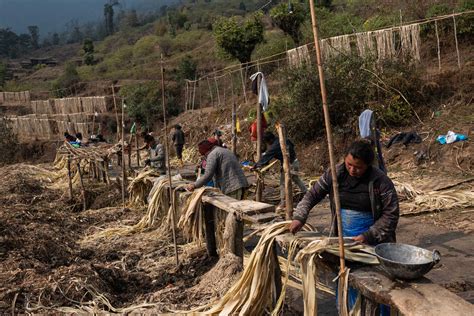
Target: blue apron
{"type": "Point", "coordinates": [355, 223]}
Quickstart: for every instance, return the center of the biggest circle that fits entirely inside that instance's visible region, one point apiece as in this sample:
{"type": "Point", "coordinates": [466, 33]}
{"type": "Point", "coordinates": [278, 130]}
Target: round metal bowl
{"type": "Point", "coordinates": [407, 262]}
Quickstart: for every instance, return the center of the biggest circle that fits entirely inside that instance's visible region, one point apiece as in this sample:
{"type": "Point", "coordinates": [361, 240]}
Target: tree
{"type": "Point", "coordinates": [187, 69]}
{"type": "Point", "coordinates": [34, 34]}
{"type": "Point", "coordinates": [239, 39]}
{"type": "Point", "coordinates": [3, 74]}
{"type": "Point", "coordinates": [109, 18]}
{"type": "Point", "coordinates": [88, 48]}
{"type": "Point", "coordinates": [76, 35]}
{"type": "Point", "coordinates": [132, 19]}
{"type": "Point", "coordinates": [55, 39]}
{"type": "Point", "coordinates": [289, 19]}
{"type": "Point", "coordinates": [70, 77]}
{"type": "Point", "coordinates": [177, 19]}
{"type": "Point", "coordinates": [242, 6]}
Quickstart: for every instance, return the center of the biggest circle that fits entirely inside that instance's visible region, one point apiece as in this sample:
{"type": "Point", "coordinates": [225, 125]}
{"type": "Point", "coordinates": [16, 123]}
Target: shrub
{"type": "Point", "coordinates": [145, 46]}
{"type": "Point", "coordinates": [8, 143]}
{"type": "Point", "coordinates": [466, 22]}
{"type": "Point", "coordinates": [62, 86]}
{"type": "Point", "coordinates": [352, 84]}
{"type": "Point", "coordinates": [381, 21]}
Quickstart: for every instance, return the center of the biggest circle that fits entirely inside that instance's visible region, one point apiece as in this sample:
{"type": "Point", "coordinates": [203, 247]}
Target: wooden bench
{"type": "Point", "coordinates": [409, 298]}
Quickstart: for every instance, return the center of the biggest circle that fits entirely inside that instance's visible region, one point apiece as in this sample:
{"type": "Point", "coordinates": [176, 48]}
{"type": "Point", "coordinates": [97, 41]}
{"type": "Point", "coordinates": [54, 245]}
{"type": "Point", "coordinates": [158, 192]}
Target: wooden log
{"type": "Point", "coordinates": [83, 190]}
{"type": "Point", "coordinates": [69, 176]}
{"type": "Point", "coordinates": [287, 171]}
{"type": "Point", "coordinates": [210, 230]}
{"type": "Point", "coordinates": [418, 297]}
{"type": "Point", "coordinates": [234, 236]}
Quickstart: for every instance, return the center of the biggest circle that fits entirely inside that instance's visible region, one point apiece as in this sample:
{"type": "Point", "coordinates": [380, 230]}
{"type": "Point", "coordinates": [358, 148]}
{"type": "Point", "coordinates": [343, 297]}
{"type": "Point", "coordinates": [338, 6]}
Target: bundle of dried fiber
{"type": "Point", "coordinates": [438, 200]}
{"type": "Point", "coordinates": [405, 190]}
{"type": "Point", "coordinates": [141, 185]}
{"type": "Point", "coordinates": [191, 221]}
{"type": "Point", "coordinates": [385, 44]}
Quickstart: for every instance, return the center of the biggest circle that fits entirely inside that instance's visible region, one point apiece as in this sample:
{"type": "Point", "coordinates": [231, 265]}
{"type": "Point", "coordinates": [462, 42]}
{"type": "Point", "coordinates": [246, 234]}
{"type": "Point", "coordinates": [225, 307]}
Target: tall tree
{"type": "Point", "coordinates": [55, 39]}
{"type": "Point", "coordinates": [88, 48]}
{"type": "Point", "coordinates": [289, 19]}
{"type": "Point", "coordinates": [34, 34]}
{"type": "Point", "coordinates": [239, 39]}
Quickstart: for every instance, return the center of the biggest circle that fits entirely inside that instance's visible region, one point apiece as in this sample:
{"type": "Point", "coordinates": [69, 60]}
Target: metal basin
{"type": "Point", "coordinates": [407, 262]}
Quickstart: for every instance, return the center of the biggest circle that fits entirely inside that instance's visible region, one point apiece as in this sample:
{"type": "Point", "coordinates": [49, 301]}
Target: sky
{"type": "Point", "coordinates": [52, 15]}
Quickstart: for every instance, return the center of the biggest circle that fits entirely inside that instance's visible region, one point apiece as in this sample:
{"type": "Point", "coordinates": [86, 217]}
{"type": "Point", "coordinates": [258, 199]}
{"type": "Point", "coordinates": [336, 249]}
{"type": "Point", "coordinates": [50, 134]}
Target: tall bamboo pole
{"type": "Point", "coordinates": [173, 206]}
{"type": "Point", "coordinates": [327, 122]}
{"type": "Point", "coordinates": [124, 171]}
{"type": "Point", "coordinates": [258, 194]}
{"type": "Point", "coordinates": [116, 113]}
{"type": "Point", "coordinates": [287, 171]}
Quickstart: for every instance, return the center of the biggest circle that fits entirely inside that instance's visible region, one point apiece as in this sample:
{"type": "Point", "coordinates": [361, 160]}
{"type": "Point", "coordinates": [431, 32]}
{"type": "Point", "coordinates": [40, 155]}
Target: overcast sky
{"type": "Point", "coordinates": [52, 15]}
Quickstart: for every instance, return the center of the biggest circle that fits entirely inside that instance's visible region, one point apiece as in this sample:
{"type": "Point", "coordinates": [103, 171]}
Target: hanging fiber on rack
{"type": "Point", "coordinates": [385, 44]}
{"type": "Point", "coordinates": [365, 44]}
{"type": "Point", "coordinates": [298, 56]}
{"type": "Point", "coordinates": [410, 40]}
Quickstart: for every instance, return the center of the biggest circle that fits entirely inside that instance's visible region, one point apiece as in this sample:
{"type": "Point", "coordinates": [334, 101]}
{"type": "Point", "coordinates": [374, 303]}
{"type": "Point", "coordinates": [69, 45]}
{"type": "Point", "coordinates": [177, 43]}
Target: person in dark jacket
{"type": "Point", "coordinates": [157, 157]}
{"type": "Point", "coordinates": [222, 166]}
{"type": "Point", "coordinates": [369, 202]}
{"type": "Point", "coordinates": [178, 141]}
{"type": "Point", "coordinates": [274, 152]}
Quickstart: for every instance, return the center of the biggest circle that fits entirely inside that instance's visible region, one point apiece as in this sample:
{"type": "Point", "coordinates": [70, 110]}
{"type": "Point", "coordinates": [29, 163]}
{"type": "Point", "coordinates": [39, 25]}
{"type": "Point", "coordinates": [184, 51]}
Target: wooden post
{"type": "Point", "coordinates": [456, 41]}
{"type": "Point", "coordinates": [116, 113]}
{"type": "Point", "coordinates": [287, 171]}
{"type": "Point", "coordinates": [210, 92]}
{"type": "Point", "coordinates": [124, 171]}
{"type": "Point", "coordinates": [210, 230]}
{"type": "Point", "coordinates": [167, 154]}
{"type": "Point", "coordinates": [138, 150]}
{"type": "Point", "coordinates": [83, 190]}
{"type": "Point", "coordinates": [234, 128]}
{"type": "Point", "coordinates": [243, 83]}
{"type": "Point", "coordinates": [437, 45]}
{"type": "Point", "coordinates": [327, 122]}
{"type": "Point", "coordinates": [69, 176]}
{"type": "Point", "coordinates": [106, 165]}
{"type": "Point", "coordinates": [217, 90]}
{"type": "Point", "coordinates": [104, 171]}
{"type": "Point", "coordinates": [258, 195]}
{"type": "Point", "coordinates": [233, 236]}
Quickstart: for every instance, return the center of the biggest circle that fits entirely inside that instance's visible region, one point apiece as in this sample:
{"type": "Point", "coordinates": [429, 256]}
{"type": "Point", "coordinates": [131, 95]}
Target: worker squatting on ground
{"type": "Point", "coordinates": [178, 141]}
{"type": "Point", "coordinates": [369, 202]}
{"type": "Point", "coordinates": [156, 154]}
{"type": "Point", "coordinates": [274, 152]}
{"type": "Point", "coordinates": [222, 166]}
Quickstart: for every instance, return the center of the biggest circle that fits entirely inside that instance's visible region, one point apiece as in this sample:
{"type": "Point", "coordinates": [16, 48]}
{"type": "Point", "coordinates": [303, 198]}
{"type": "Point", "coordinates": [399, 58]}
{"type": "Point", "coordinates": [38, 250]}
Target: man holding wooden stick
{"type": "Point", "coordinates": [157, 158]}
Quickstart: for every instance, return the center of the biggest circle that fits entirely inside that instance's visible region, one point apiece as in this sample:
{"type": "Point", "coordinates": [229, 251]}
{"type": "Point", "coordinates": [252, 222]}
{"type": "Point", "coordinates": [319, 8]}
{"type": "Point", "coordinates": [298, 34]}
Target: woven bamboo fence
{"type": "Point", "coordinates": [72, 105]}
{"type": "Point", "coordinates": [14, 98]}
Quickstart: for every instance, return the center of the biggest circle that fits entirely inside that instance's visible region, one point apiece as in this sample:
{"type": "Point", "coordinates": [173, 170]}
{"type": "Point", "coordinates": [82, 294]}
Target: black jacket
{"type": "Point", "coordinates": [178, 137]}
{"type": "Point", "coordinates": [383, 200]}
{"type": "Point", "coordinates": [274, 152]}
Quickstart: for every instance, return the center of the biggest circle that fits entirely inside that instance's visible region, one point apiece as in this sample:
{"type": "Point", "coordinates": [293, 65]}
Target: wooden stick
{"type": "Point", "coordinates": [457, 45]}
{"type": "Point", "coordinates": [83, 190]}
{"type": "Point", "coordinates": [438, 46]}
{"type": "Point", "coordinates": [327, 121]}
{"type": "Point", "coordinates": [287, 171]}
{"type": "Point", "coordinates": [243, 83]}
{"type": "Point", "coordinates": [69, 176]}
{"type": "Point", "coordinates": [124, 171]}
{"type": "Point", "coordinates": [138, 150]}
{"type": "Point", "coordinates": [194, 91]}
{"type": "Point", "coordinates": [210, 92]}
{"type": "Point", "coordinates": [173, 206]}
{"type": "Point", "coordinates": [116, 113]}
{"type": "Point", "coordinates": [218, 95]}
{"type": "Point", "coordinates": [258, 195]}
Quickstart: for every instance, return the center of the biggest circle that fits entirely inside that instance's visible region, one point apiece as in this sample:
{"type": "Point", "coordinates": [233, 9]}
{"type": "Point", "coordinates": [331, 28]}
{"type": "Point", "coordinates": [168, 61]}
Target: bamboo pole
{"type": "Point", "coordinates": [210, 92]}
{"type": "Point", "coordinates": [138, 150]}
{"type": "Point", "coordinates": [234, 119]}
{"type": "Point", "coordinates": [124, 171]}
{"type": "Point", "coordinates": [194, 91]}
{"type": "Point", "coordinates": [243, 83]}
{"type": "Point", "coordinates": [287, 171]}
{"type": "Point", "coordinates": [116, 113]}
{"type": "Point", "coordinates": [83, 190]}
{"type": "Point", "coordinates": [258, 194]}
{"type": "Point", "coordinates": [173, 206]}
{"type": "Point", "coordinates": [327, 122]}
{"type": "Point", "coordinates": [218, 94]}
{"type": "Point", "coordinates": [456, 40]}
{"type": "Point", "coordinates": [438, 46]}
{"type": "Point", "coordinates": [69, 176]}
